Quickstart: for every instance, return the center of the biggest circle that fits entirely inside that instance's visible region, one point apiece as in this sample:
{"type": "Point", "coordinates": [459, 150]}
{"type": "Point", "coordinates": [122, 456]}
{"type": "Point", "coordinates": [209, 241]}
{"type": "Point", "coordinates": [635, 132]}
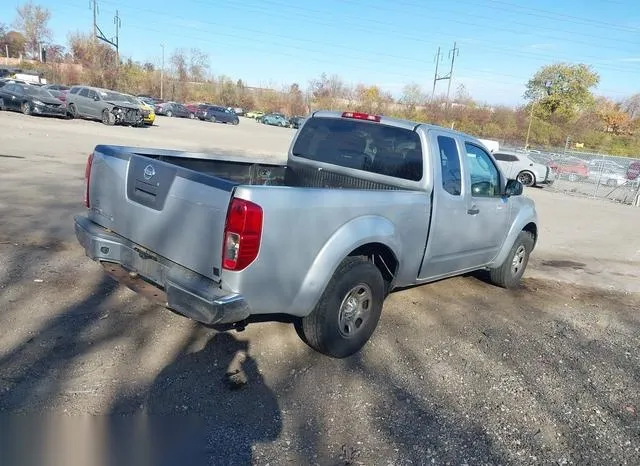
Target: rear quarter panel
{"type": "Point", "coordinates": [307, 232]}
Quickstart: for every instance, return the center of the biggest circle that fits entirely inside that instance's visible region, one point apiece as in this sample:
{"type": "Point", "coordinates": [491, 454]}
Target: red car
{"type": "Point", "coordinates": [574, 168]}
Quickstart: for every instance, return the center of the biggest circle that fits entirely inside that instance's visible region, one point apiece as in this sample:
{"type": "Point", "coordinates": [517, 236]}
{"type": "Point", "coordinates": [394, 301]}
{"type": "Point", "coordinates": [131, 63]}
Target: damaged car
{"type": "Point", "coordinates": [109, 107]}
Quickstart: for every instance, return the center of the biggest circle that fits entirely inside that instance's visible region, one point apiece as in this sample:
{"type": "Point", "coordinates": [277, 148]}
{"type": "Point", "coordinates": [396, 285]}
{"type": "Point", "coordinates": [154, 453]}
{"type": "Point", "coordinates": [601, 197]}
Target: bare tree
{"type": "Point", "coordinates": [631, 105]}
{"type": "Point", "coordinates": [198, 64]}
{"type": "Point", "coordinates": [33, 23]}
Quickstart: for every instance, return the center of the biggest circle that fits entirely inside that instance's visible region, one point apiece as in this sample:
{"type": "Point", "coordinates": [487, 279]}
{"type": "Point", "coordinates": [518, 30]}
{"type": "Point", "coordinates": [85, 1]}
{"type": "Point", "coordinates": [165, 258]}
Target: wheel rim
{"type": "Point", "coordinates": [169, 114]}
{"type": "Point", "coordinates": [525, 178]}
{"type": "Point", "coordinates": [26, 108]}
{"type": "Point", "coordinates": [105, 117]}
{"type": "Point", "coordinates": [518, 259]}
{"type": "Point", "coordinates": [355, 310]}
{"type": "Point", "coordinates": [573, 177]}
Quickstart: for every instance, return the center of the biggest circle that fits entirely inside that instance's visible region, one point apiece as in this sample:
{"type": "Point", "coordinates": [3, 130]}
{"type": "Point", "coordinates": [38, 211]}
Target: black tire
{"type": "Point", "coordinates": [527, 178]}
{"type": "Point", "coordinates": [169, 113]}
{"type": "Point", "coordinates": [329, 329]}
{"type": "Point", "coordinates": [508, 275]}
{"type": "Point", "coordinates": [108, 118]}
{"type": "Point", "coordinates": [236, 122]}
{"type": "Point", "coordinates": [1, 104]}
{"type": "Point", "coordinates": [26, 108]}
{"type": "Point", "coordinates": [73, 111]}
{"type": "Point", "coordinates": [212, 119]}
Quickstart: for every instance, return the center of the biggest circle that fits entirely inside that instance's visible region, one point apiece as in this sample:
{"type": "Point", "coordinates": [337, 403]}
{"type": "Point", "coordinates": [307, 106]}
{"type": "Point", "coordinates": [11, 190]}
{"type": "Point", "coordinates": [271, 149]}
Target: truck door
{"type": "Point", "coordinates": [449, 246]}
{"type": "Point", "coordinates": [489, 212]}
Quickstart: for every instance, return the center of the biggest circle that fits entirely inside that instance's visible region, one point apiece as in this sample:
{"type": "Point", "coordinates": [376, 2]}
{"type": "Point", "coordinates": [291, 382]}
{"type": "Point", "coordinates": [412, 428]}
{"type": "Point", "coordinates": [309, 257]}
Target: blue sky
{"type": "Point", "coordinates": [275, 42]}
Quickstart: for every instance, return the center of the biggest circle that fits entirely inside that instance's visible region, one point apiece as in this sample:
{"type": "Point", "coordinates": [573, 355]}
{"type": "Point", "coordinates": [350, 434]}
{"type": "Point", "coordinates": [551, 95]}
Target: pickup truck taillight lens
{"type": "Point", "coordinates": [242, 233]}
{"type": "Point", "coordinates": [87, 179]}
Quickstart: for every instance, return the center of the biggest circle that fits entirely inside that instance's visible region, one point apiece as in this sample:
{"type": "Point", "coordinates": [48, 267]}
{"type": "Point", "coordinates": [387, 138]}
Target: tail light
{"type": "Point", "coordinates": [242, 234]}
{"type": "Point", "coordinates": [87, 179]}
{"type": "Point", "coordinates": [361, 116]}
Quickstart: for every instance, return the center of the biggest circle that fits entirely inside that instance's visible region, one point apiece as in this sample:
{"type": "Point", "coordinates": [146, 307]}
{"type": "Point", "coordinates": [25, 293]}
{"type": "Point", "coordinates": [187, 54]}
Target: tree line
{"type": "Point", "coordinates": [560, 106]}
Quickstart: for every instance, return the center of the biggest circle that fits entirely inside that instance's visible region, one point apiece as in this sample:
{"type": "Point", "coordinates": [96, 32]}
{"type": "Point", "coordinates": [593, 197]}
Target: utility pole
{"type": "Point", "coordinates": [94, 4]}
{"type": "Point", "coordinates": [162, 72]}
{"type": "Point", "coordinates": [452, 53]}
{"type": "Point", "coordinates": [526, 142]}
{"type": "Point", "coordinates": [435, 75]}
{"type": "Point", "coordinates": [118, 23]}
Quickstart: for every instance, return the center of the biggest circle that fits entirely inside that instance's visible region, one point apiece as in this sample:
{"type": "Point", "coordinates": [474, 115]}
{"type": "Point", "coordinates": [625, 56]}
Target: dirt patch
{"type": "Point", "coordinates": [564, 264]}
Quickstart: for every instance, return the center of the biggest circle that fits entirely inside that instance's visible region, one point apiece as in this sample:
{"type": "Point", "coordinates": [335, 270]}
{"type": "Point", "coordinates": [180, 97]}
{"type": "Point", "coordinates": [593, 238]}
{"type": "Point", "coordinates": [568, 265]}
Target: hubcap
{"type": "Point", "coordinates": [355, 310]}
{"type": "Point", "coordinates": [525, 179]}
{"type": "Point", "coordinates": [518, 259]}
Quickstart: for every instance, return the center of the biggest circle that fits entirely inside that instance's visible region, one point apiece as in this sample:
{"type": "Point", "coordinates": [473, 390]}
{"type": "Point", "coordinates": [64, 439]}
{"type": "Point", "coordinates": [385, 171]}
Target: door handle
{"type": "Point", "coordinates": [473, 211]}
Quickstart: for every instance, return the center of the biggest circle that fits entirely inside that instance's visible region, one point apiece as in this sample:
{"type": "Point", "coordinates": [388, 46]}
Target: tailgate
{"type": "Point", "coordinates": [172, 211]}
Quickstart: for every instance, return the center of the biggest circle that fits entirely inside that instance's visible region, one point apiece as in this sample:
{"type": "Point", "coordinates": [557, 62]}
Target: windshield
{"type": "Point", "coordinates": [373, 147]}
{"type": "Point", "coordinates": [129, 98]}
{"type": "Point", "coordinates": [108, 95]}
{"type": "Point", "coordinates": [36, 91]}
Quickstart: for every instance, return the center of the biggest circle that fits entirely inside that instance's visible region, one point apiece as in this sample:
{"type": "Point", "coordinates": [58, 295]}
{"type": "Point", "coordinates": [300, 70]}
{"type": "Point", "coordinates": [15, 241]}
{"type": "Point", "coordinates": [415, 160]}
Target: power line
{"type": "Point", "coordinates": [206, 39]}
{"type": "Point", "coordinates": [539, 57]}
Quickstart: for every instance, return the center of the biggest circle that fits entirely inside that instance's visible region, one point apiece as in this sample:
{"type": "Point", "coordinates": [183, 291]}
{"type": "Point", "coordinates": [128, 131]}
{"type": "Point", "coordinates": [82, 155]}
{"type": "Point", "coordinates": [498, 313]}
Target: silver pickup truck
{"type": "Point", "coordinates": [364, 204]}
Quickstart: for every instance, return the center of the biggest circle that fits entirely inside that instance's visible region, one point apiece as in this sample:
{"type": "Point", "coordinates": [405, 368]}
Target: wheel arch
{"type": "Point", "coordinates": [371, 236]}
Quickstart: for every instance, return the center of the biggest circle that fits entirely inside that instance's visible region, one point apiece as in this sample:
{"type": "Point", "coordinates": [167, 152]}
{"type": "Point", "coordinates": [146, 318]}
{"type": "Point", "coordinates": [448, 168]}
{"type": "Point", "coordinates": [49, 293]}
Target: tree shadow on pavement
{"type": "Point", "coordinates": [211, 405]}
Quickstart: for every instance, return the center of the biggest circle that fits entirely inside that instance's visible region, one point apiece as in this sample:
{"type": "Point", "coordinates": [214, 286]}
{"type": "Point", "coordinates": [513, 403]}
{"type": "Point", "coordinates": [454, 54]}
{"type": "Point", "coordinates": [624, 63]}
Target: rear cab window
{"type": "Point", "coordinates": [371, 147]}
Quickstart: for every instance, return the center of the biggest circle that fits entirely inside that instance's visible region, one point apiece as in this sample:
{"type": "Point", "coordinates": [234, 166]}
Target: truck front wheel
{"type": "Point", "coordinates": [348, 311]}
{"type": "Point", "coordinates": [508, 275]}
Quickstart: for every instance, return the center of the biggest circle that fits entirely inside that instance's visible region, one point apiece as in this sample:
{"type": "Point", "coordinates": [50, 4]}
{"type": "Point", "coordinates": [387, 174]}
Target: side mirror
{"type": "Point", "coordinates": [513, 188]}
{"type": "Point", "coordinates": [96, 98]}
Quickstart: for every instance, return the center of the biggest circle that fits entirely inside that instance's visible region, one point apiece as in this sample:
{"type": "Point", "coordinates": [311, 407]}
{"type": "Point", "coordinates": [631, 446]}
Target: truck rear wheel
{"type": "Point", "coordinates": [508, 275]}
{"type": "Point", "coordinates": [348, 311]}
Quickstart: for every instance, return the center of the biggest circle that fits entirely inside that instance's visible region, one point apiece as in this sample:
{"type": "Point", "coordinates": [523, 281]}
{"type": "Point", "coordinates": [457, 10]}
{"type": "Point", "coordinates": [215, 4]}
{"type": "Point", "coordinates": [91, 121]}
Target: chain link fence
{"type": "Point", "coordinates": [592, 174]}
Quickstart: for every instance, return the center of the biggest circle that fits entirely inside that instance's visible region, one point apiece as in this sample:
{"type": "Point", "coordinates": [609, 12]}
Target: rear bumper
{"type": "Point", "coordinates": [159, 279]}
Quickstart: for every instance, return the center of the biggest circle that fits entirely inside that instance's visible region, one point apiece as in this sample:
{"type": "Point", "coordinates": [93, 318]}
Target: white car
{"type": "Point", "coordinates": [520, 167]}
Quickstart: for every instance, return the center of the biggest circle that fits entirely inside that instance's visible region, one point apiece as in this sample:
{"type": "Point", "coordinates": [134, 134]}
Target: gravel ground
{"type": "Point", "coordinates": [458, 372]}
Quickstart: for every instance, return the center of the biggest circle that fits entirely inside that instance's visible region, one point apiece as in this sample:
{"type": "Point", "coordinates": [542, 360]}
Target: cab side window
{"type": "Point", "coordinates": [450, 165]}
{"type": "Point", "coordinates": [485, 177]}
{"type": "Point", "coordinates": [84, 92]}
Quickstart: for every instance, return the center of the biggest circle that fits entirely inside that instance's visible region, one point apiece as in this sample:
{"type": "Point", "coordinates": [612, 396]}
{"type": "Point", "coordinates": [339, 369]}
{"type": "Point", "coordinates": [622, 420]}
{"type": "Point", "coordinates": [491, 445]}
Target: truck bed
{"type": "Point", "coordinates": [175, 203]}
{"type": "Point", "coordinates": [249, 172]}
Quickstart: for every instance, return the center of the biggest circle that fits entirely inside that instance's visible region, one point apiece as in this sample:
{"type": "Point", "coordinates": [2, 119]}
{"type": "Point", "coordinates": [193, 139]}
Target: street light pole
{"type": "Point", "coordinates": [162, 72]}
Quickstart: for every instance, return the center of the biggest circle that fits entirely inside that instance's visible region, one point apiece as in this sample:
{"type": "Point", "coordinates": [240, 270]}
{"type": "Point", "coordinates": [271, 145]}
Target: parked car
{"type": "Point", "coordinates": [194, 107]}
{"type": "Point", "coordinates": [108, 106]}
{"type": "Point", "coordinates": [607, 172]}
{"type": "Point", "coordinates": [215, 113]}
{"type": "Point", "coordinates": [275, 119]}
{"type": "Point", "coordinates": [573, 168]}
{"type": "Point", "coordinates": [173, 109]}
{"type": "Point", "coordinates": [524, 169]}
{"type": "Point", "coordinates": [254, 114]}
{"type": "Point", "coordinates": [59, 91]}
{"type": "Point", "coordinates": [243, 237]}
{"type": "Point", "coordinates": [148, 112]}
{"type": "Point", "coordinates": [30, 100]}
{"type": "Point", "coordinates": [295, 122]}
